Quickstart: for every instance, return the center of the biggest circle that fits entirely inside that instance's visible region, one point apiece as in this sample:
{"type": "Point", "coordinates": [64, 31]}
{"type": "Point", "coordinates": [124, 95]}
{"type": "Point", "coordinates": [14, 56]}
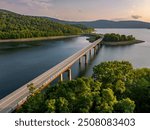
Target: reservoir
{"type": "Point", "coordinates": [22, 62]}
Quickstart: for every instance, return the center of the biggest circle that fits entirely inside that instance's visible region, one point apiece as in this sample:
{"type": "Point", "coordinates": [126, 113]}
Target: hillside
{"type": "Point", "coordinates": [16, 26]}
{"type": "Point", "coordinates": [108, 23]}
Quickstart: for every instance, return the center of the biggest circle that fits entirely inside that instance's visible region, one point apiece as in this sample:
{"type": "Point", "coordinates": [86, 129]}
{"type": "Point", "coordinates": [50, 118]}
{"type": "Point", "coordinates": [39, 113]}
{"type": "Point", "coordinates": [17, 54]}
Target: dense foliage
{"type": "Point", "coordinates": [13, 26]}
{"type": "Point", "coordinates": [114, 87]}
{"type": "Point", "coordinates": [117, 37]}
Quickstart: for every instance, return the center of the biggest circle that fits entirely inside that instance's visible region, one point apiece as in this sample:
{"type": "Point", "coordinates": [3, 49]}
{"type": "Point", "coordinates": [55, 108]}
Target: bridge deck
{"type": "Point", "coordinates": [10, 102]}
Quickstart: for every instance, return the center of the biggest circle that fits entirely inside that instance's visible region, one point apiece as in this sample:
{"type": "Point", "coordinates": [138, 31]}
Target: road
{"type": "Point", "coordinates": [10, 102]}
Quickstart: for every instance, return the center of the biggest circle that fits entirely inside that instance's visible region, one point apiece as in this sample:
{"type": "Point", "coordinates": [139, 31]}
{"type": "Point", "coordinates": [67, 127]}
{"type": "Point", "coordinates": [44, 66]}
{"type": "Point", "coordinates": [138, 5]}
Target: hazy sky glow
{"type": "Point", "coordinates": [81, 10]}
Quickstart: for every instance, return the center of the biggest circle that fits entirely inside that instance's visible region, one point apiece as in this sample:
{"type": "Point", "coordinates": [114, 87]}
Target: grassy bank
{"type": "Point", "coordinates": [122, 43]}
{"type": "Point", "coordinates": [37, 39]}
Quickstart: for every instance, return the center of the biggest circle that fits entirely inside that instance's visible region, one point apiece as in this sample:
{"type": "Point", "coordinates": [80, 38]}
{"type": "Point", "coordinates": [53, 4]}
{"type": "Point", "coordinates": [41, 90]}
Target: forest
{"type": "Point", "coordinates": [114, 87]}
{"type": "Point", "coordinates": [16, 26]}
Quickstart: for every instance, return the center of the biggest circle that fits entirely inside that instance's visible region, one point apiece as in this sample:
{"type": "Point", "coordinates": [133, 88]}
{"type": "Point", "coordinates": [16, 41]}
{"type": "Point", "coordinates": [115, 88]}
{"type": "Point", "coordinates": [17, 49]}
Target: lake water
{"type": "Point", "coordinates": [137, 54]}
{"type": "Point", "coordinates": [21, 62]}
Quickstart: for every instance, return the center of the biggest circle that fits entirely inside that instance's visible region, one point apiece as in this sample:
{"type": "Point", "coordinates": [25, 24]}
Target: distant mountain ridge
{"type": "Point", "coordinates": [108, 23]}
{"type": "Point", "coordinates": [97, 23]}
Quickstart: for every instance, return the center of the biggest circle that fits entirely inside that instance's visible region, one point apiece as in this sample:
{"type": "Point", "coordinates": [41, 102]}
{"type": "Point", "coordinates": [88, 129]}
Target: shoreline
{"type": "Point", "coordinates": [123, 43]}
{"type": "Point", "coordinates": [37, 39]}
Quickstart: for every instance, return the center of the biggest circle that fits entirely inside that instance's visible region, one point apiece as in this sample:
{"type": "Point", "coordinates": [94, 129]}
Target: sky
{"type": "Point", "coordinates": [82, 10]}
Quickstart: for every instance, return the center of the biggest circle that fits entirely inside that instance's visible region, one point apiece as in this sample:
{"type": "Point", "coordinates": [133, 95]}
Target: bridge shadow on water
{"type": "Point", "coordinates": [85, 67]}
{"type": "Point", "coordinates": [79, 70]}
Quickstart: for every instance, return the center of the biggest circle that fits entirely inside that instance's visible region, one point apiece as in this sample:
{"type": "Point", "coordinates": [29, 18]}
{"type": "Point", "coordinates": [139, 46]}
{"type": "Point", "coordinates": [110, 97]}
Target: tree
{"type": "Point", "coordinates": [51, 105]}
{"type": "Point", "coordinates": [34, 104]}
{"type": "Point", "coordinates": [69, 96]}
{"type": "Point", "coordinates": [111, 72]}
{"type": "Point", "coordinates": [106, 101]}
{"type": "Point", "coordinates": [62, 105]}
{"type": "Point", "coordinates": [125, 106]}
{"type": "Point", "coordinates": [31, 88]}
{"type": "Point", "coordinates": [140, 90]}
{"type": "Point", "coordinates": [119, 87]}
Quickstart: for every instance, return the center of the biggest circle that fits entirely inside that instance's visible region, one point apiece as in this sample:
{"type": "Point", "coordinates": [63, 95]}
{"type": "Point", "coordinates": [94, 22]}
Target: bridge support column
{"type": "Point", "coordinates": [95, 50]}
{"type": "Point", "coordinates": [69, 74]}
{"type": "Point", "coordinates": [61, 77]}
{"type": "Point", "coordinates": [86, 59]}
{"type": "Point", "coordinates": [90, 53]}
{"type": "Point", "coordinates": [80, 61]}
{"type": "Point", "coordinates": [99, 45]}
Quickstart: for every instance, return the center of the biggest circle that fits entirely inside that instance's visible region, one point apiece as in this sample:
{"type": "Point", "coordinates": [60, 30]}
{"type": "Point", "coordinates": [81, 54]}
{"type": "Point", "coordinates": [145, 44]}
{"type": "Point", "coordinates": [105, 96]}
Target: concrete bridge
{"type": "Point", "coordinates": [18, 97]}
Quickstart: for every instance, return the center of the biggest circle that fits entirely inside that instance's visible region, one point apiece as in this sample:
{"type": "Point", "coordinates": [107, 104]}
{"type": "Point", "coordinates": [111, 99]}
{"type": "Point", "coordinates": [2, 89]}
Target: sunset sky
{"type": "Point", "coordinates": [82, 10]}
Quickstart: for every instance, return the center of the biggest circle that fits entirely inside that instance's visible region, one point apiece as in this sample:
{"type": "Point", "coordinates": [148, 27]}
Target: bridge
{"type": "Point", "coordinates": [18, 97]}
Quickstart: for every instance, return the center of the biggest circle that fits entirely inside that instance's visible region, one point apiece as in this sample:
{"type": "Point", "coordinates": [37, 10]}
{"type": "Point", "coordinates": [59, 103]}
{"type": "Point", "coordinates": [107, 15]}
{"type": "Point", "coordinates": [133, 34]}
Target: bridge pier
{"type": "Point", "coordinates": [69, 74]}
{"type": "Point", "coordinates": [95, 50]}
{"type": "Point", "coordinates": [80, 61]}
{"type": "Point", "coordinates": [90, 53]}
{"type": "Point", "coordinates": [61, 77]}
{"type": "Point", "coordinates": [86, 59]}
{"type": "Point", "coordinates": [99, 45]}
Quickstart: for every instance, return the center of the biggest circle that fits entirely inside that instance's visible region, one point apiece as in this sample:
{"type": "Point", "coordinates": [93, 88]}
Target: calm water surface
{"type": "Point", "coordinates": [20, 63]}
{"type": "Point", "coordinates": [138, 54]}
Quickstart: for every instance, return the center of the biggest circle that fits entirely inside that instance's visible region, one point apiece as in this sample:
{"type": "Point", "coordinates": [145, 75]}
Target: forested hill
{"type": "Point", "coordinates": [15, 26]}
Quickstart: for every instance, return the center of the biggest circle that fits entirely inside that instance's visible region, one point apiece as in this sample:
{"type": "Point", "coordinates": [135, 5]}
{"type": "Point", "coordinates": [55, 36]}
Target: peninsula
{"type": "Point", "coordinates": [119, 40]}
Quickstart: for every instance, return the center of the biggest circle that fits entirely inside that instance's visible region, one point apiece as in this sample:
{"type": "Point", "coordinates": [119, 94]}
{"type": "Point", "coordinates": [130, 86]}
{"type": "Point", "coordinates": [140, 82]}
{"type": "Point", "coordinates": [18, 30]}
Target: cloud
{"type": "Point", "coordinates": [119, 19]}
{"type": "Point", "coordinates": [30, 7]}
{"type": "Point", "coordinates": [47, 3]}
{"type": "Point", "coordinates": [136, 16]}
{"type": "Point", "coordinates": [30, 3]}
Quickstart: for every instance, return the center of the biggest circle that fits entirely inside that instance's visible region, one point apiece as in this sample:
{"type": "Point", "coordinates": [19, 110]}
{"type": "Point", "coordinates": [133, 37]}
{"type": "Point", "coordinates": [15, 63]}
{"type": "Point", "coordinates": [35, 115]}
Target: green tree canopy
{"type": "Point", "coordinates": [114, 87]}
{"type": "Point", "coordinates": [125, 106]}
{"type": "Point", "coordinates": [112, 37]}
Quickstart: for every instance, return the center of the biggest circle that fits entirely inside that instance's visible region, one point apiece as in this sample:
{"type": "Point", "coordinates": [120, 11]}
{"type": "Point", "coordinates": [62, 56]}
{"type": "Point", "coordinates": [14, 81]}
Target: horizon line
{"type": "Point", "coordinates": [112, 20]}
